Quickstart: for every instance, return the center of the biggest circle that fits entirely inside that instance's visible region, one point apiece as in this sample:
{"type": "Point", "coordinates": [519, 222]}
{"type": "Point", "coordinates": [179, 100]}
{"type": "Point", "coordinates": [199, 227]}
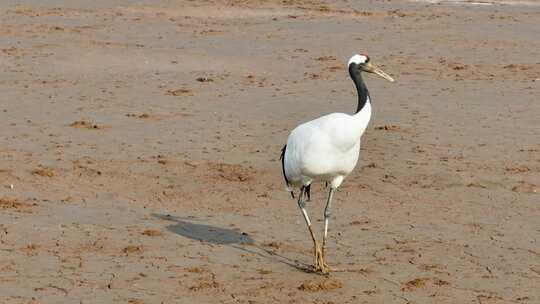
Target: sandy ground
{"type": "Point", "coordinates": [142, 142]}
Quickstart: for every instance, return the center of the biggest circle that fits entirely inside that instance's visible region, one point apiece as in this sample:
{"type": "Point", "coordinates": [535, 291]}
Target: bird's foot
{"type": "Point", "coordinates": [320, 265]}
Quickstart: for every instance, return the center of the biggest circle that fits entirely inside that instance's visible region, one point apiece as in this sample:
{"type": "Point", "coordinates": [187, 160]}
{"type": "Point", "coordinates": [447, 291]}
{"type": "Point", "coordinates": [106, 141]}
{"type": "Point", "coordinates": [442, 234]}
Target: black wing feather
{"type": "Point", "coordinates": [282, 158]}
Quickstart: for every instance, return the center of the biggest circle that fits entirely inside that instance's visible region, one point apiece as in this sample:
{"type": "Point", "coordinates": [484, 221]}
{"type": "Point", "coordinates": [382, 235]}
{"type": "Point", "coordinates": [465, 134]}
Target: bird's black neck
{"type": "Point", "coordinates": [363, 93]}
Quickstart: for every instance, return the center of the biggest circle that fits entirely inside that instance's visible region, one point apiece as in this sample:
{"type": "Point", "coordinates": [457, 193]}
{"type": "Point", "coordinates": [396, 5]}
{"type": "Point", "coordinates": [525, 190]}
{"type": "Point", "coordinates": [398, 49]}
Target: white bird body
{"type": "Point", "coordinates": [325, 149]}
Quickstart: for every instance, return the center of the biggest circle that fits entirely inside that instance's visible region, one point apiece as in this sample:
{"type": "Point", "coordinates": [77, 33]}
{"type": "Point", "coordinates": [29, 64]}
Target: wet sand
{"type": "Point", "coordinates": [142, 140]}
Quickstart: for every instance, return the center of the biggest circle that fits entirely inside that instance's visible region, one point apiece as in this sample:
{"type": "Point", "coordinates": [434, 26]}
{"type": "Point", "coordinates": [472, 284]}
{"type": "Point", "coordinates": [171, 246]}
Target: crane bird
{"type": "Point", "coordinates": [326, 149]}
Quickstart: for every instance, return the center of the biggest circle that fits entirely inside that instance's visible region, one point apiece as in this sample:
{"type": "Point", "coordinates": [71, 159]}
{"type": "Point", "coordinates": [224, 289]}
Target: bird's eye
{"type": "Point", "coordinates": [367, 58]}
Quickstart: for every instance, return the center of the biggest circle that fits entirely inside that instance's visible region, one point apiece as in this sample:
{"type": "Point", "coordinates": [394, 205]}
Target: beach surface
{"type": "Point", "coordinates": [140, 143]}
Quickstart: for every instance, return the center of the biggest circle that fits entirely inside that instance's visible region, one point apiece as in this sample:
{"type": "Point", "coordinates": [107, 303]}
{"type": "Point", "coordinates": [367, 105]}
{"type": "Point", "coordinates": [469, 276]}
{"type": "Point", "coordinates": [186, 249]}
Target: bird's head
{"type": "Point", "coordinates": [360, 62]}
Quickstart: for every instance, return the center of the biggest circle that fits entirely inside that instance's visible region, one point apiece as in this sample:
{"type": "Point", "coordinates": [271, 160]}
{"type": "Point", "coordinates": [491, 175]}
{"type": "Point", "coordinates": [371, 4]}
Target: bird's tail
{"type": "Point", "coordinates": [282, 158]}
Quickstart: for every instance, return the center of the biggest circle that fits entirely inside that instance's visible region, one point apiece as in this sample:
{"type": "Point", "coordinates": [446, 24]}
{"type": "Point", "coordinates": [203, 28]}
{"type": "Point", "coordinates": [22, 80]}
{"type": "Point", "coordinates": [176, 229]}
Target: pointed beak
{"type": "Point", "coordinates": [370, 68]}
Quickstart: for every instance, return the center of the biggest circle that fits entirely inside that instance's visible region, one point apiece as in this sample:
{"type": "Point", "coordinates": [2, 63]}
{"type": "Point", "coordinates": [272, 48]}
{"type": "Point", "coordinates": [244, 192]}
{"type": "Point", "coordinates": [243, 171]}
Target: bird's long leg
{"type": "Point", "coordinates": [327, 213]}
{"type": "Point", "coordinates": [317, 254]}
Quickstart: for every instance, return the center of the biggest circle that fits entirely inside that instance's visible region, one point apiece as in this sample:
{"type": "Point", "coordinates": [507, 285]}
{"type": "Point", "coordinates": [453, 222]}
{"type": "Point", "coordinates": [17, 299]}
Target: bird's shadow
{"type": "Point", "coordinates": [189, 228]}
